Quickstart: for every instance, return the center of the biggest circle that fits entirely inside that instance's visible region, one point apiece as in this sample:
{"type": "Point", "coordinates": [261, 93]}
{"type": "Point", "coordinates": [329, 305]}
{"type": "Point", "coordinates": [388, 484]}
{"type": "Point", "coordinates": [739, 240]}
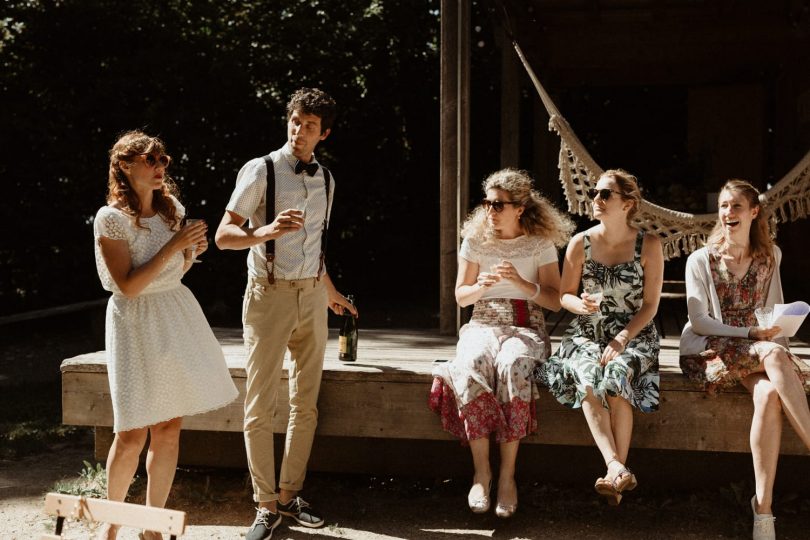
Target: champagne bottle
{"type": "Point", "coordinates": [347, 337]}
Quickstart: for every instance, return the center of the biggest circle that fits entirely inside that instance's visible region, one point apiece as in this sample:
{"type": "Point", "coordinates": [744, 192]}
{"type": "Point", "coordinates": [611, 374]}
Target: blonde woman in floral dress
{"type": "Point", "coordinates": [508, 269]}
{"type": "Point", "coordinates": [722, 344]}
{"type": "Point", "coordinates": [607, 363]}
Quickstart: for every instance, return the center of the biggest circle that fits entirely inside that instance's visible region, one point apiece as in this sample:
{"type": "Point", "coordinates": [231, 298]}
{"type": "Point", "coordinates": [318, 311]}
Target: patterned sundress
{"type": "Point", "coordinates": [575, 367]}
{"type": "Point", "coordinates": [728, 360]}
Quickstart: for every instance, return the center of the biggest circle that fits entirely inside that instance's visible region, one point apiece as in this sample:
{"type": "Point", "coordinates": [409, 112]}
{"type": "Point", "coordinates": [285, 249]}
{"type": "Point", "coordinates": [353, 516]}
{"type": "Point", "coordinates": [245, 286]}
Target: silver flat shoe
{"type": "Point", "coordinates": [505, 510]}
{"type": "Point", "coordinates": [479, 505]}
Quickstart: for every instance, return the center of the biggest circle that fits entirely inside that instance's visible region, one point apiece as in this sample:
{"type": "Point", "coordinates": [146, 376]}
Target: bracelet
{"type": "Point", "coordinates": [536, 291]}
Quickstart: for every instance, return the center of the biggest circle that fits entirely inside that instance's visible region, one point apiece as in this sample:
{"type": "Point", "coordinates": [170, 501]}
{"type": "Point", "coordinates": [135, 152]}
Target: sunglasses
{"type": "Point", "coordinates": [163, 160]}
{"type": "Point", "coordinates": [498, 206]}
{"type": "Point", "coordinates": [604, 194]}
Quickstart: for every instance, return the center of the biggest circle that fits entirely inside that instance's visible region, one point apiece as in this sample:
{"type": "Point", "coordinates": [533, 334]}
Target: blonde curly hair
{"type": "Point", "coordinates": [119, 191]}
{"type": "Point", "coordinates": [539, 217]}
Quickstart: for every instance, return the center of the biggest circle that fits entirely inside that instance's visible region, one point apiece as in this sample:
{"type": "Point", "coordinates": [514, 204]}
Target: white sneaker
{"type": "Point", "coordinates": [763, 523]}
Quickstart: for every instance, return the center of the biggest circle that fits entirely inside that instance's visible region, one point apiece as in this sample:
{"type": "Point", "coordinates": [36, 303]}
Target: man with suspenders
{"type": "Point", "coordinates": [286, 199]}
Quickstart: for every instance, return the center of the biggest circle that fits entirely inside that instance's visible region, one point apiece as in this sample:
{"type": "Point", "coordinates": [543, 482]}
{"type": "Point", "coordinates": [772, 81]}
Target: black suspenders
{"type": "Point", "coordinates": [270, 205]}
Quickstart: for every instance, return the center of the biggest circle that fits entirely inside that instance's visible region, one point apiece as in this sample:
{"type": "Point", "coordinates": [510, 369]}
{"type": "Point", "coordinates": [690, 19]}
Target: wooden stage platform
{"type": "Point", "coordinates": [384, 396]}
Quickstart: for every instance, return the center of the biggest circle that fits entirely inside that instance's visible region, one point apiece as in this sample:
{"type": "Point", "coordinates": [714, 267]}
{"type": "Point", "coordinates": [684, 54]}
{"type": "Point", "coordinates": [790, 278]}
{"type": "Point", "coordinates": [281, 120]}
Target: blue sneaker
{"type": "Point", "coordinates": [264, 525]}
{"type": "Point", "coordinates": [301, 511]}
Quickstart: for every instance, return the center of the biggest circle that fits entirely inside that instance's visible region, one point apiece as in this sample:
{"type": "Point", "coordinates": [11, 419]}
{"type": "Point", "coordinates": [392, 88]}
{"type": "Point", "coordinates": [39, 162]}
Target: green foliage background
{"type": "Point", "coordinates": [212, 78]}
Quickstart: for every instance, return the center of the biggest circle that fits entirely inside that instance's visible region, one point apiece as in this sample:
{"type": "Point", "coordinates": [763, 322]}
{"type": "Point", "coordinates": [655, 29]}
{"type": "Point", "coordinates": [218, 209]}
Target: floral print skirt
{"type": "Point", "coordinates": [728, 360]}
{"type": "Point", "coordinates": [488, 387]}
{"type": "Point", "coordinates": [575, 367]}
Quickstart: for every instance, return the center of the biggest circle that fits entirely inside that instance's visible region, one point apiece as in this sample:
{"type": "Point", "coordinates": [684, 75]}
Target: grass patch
{"type": "Point", "coordinates": [92, 482]}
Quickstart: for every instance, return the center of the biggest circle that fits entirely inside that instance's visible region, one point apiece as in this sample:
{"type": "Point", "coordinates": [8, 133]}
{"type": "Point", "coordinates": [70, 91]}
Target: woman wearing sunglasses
{"type": "Point", "coordinates": [607, 363]}
{"type": "Point", "coordinates": [163, 360]}
{"type": "Point", "coordinates": [507, 268]}
{"type": "Point", "coordinates": [723, 344]}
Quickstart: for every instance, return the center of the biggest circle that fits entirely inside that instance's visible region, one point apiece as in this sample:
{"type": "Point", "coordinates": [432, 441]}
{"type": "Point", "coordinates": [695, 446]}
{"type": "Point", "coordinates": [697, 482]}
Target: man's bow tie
{"type": "Point", "coordinates": [311, 167]}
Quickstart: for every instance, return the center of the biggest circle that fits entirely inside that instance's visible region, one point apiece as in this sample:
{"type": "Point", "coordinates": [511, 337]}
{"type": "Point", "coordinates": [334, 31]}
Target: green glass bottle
{"type": "Point", "coordinates": [347, 337]}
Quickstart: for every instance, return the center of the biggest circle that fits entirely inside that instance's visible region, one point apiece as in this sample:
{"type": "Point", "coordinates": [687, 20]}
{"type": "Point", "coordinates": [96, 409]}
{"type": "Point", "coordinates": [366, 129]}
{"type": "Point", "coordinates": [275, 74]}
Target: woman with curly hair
{"type": "Point", "coordinates": [163, 360]}
{"type": "Point", "coordinates": [723, 344]}
{"type": "Point", "coordinates": [507, 268]}
{"type": "Point", "coordinates": [607, 363]}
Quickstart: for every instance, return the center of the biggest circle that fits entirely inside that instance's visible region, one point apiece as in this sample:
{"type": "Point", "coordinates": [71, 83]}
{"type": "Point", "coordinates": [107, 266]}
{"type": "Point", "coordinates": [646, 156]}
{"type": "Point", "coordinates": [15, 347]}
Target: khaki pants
{"type": "Point", "coordinates": [286, 314]}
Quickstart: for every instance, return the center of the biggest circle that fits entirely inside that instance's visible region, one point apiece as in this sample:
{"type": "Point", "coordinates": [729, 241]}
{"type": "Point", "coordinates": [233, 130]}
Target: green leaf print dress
{"type": "Point", "coordinates": [575, 367]}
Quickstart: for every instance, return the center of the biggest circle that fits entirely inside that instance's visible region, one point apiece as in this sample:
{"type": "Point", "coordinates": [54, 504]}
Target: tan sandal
{"type": "Point", "coordinates": [606, 489]}
{"type": "Point", "coordinates": [625, 480]}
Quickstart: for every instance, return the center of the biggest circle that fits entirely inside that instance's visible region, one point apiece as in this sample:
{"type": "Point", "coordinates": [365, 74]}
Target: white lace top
{"type": "Point", "coordinates": [143, 244]}
{"type": "Point", "coordinates": [526, 253]}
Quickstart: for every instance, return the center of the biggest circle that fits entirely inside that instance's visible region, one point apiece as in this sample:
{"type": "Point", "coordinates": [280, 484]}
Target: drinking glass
{"type": "Point", "coordinates": [194, 258]}
{"type": "Point", "coordinates": [764, 316]}
{"type": "Point", "coordinates": [596, 294]}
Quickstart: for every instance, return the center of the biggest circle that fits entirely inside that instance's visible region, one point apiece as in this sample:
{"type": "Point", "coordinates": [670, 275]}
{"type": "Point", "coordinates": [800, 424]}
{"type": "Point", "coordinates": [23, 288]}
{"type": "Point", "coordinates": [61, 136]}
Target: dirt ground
{"type": "Point", "coordinates": [359, 507]}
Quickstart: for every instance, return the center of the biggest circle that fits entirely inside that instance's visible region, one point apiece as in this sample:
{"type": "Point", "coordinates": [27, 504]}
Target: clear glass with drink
{"type": "Point", "coordinates": [596, 294]}
{"type": "Point", "coordinates": [194, 259]}
{"type": "Point", "coordinates": [764, 316]}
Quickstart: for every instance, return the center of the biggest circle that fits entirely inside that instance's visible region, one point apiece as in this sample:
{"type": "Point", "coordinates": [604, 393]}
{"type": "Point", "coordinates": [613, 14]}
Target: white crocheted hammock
{"type": "Point", "coordinates": [680, 232]}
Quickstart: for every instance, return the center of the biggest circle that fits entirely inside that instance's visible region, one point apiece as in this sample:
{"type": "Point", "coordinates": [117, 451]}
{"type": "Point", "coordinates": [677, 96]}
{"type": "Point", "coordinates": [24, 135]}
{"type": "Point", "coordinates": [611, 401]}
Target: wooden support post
{"type": "Point", "coordinates": [463, 157]}
{"type": "Point", "coordinates": [454, 151]}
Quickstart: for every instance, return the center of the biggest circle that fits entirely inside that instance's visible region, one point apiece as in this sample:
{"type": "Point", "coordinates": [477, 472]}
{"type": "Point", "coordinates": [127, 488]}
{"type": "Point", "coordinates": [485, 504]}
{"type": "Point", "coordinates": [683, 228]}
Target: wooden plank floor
{"type": "Point", "coordinates": [384, 395]}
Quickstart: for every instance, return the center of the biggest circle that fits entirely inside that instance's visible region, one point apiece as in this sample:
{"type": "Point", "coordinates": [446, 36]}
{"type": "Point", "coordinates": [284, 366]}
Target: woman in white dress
{"type": "Point", "coordinates": [163, 360]}
{"type": "Point", "coordinates": [507, 269]}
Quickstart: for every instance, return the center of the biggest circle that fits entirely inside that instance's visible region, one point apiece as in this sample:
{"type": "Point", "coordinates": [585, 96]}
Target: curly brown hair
{"type": "Point", "coordinates": [539, 217]}
{"type": "Point", "coordinates": [314, 101]}
{"type": "Point", "coordinates": [119, 191]}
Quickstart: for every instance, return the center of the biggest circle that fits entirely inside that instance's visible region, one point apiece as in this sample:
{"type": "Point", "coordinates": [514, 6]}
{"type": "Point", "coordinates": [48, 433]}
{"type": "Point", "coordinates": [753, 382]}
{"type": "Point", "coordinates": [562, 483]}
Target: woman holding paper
{"type": "Point", "coordinates": [723, 344]}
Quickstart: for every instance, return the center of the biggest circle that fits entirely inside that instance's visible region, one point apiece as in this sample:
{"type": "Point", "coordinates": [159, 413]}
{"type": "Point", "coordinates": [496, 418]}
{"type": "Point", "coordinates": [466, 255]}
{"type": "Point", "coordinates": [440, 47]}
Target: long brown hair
{"type": "Point", "coordinates": [760, 236]}
{"type": "Point", "coordinates": [539, 217]}
{"type": "Point", "coordinates": [119, 191]}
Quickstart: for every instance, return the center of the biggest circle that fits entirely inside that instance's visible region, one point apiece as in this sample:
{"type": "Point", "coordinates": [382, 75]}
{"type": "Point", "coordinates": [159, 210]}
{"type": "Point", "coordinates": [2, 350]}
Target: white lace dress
{"type": "Point", "coordinates": [163, 361]}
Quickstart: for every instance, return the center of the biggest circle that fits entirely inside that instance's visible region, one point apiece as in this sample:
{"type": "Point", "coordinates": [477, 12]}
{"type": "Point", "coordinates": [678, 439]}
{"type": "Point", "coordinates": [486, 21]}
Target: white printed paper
{"type": "Point", "coordinates": [789, 317]}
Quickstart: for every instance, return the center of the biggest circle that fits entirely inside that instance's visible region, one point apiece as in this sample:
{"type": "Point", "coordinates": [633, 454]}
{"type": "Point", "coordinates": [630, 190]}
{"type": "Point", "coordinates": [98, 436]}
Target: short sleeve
{"type": "Point", "coordinates": [251, 185]}
{"type": "Point", "coordinates": [546, 254]}
{"type": "Point", "coordinates": [110, 223]}
{"type": "Point", "coordinates": [181, 210]}
{"type": "Point", "coordinates": [469, 252]}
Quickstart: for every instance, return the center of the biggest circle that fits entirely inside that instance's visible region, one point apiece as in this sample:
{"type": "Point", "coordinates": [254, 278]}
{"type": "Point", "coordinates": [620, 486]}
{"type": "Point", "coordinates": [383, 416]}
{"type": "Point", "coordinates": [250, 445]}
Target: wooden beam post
{"type": "Point", "coordinates": [448, 150]}
{"type": "Point", "coordinates": [463, 158]}
{"type": "Point", "coordinates": [454, 151]}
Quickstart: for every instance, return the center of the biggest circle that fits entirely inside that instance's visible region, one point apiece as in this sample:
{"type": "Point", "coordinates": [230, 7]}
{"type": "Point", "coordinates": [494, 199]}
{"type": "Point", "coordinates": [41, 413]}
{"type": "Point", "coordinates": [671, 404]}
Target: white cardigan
{"type": "Point", "coordinates": [703, 304]}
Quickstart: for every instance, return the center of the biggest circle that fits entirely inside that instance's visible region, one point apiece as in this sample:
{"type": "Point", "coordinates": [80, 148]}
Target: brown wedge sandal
{"type": "Point", "coordinates": [605, 488]}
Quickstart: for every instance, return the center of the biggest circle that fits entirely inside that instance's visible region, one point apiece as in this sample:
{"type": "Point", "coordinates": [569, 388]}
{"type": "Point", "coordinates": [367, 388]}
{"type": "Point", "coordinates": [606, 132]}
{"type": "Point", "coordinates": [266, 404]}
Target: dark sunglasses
{"type": "Point", "coordinates": [498, 206]}
{"type": "Point", "coordinates": [163, 160]}
{"type": "Point", "coordinates": [604, 194]}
